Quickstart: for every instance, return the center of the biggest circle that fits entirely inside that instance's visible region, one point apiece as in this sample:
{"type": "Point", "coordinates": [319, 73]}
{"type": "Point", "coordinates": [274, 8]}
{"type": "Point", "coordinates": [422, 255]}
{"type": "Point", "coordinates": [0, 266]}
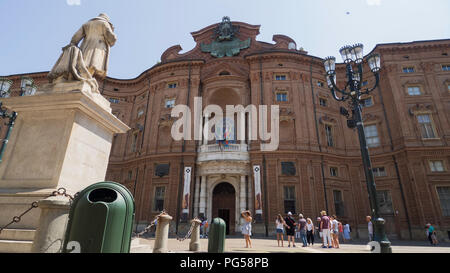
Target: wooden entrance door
{"type": "Point", "coordinates": [224, 200]}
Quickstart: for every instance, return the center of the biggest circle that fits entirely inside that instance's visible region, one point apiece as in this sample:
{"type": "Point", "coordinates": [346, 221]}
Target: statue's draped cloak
{"type": "Point", "coordinates": [98, 37]}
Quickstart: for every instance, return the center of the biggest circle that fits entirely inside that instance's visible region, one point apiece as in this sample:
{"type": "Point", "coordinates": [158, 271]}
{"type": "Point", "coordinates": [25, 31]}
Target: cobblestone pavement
{"type": "Point", "coordinates": [237, 245]}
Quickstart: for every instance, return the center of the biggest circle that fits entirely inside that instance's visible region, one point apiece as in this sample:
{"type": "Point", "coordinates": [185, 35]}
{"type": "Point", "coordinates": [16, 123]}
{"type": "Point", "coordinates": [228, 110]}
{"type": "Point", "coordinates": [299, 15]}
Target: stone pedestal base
{"type": "Point", "coordinates": [49, 235]}
{"type": "Point", "coordinates": [61, 139]}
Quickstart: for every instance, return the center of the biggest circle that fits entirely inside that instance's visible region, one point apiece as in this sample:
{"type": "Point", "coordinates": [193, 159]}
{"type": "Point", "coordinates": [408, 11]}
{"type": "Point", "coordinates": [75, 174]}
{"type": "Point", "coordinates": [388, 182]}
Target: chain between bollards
{"type": "Point", "coordinates": [16, 219]}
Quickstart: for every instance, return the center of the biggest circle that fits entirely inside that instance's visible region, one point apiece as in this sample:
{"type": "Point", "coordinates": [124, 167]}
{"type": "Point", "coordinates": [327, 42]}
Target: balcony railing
{"type": "Point", "coordinates": [223, 152]}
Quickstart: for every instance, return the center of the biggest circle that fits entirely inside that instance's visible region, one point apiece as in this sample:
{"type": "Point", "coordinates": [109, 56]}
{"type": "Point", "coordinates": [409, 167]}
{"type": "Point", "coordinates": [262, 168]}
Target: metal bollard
{"type": "Point", "coordinates": [194, 244]}
{"type": "Point", "coordinates": [216, 237]}
{"type": "Point", "coordinates": [162, 234]}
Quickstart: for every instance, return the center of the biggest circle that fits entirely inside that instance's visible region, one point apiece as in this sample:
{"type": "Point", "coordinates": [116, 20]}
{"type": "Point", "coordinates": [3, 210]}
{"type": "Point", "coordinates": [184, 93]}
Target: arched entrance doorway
{"type": "Point", "coordinates": [223, 204]}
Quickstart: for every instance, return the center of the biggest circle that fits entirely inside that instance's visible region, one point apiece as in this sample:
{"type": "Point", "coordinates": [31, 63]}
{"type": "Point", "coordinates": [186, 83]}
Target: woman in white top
{"type": "Point", "coordinates": [280, 227]}
{"type": "Point", "coordinates": [310, 231]}
{"type": "Point", "coordinates": [334, 231]}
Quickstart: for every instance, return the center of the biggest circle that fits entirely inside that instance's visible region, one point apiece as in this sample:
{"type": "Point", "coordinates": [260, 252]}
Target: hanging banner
{"type": "Point", "coordinates": [257, 175]}
{"type": "Point", "coordinates": [187, 189]}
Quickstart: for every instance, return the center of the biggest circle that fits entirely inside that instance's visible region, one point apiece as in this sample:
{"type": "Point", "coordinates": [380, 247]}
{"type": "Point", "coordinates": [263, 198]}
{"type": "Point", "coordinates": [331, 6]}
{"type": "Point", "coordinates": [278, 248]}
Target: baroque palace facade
{"type": "Point", "coordinates": [317, 165]}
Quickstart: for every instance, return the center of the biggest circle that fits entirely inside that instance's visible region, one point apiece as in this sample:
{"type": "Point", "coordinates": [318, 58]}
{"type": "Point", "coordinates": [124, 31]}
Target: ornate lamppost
{"type": "Point", "coordinates": [27, 87]}
{"type": "Point", "coordinates": [5, 92]}
{"type": "Point", "coordinates": [352, 92]}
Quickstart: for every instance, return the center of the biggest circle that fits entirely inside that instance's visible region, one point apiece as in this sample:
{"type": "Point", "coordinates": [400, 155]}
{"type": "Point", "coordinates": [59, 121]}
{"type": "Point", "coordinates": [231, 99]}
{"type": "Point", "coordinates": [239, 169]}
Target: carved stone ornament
{"type": "Point", "coordinates": [327, 120]}
{"type": "Point", "coordinates": [225, 43]}
{"type": "Point", "coordinates": [421, 108]}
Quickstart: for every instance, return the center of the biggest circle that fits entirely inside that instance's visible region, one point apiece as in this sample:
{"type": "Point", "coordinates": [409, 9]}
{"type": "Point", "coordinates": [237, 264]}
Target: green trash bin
{"type": "Point", "coordinates": [216, 236]}
{"type": "Point", "coordinates": [101, 220]}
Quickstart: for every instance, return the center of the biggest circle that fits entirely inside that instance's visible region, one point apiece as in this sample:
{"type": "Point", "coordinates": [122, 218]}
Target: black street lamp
{"type": "Point", "coordinates": [5, 92]}
{"type": "Point", "coordinates": [353, 92]}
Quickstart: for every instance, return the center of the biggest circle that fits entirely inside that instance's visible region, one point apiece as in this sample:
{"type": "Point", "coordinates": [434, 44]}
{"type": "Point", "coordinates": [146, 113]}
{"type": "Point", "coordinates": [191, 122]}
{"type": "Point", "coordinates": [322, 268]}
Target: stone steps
{"type": "Point", "coordinates": [17, 234]}
{"type": "Point", "coordinates": [16, 240]}
{"type": "Point", "coordinates": [14, 246]}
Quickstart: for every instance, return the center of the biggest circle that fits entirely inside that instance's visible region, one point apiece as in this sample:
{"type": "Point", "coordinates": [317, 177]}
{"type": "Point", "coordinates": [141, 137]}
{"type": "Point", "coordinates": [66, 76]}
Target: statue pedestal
{"type": "Point", "coordinates": [60, 139]}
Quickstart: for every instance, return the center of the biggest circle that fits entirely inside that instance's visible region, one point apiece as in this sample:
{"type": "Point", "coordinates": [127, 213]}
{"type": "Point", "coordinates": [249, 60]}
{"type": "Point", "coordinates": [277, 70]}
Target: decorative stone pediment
{"type": "Point", "coordinates": [370, 118]}
{"type": "Point", "coordinates": [421, 108]}
{"type": "Point", "coordinates": [166, 120]}
{"type": "Point", "coordinates": [417, 81]}
{"type": "Point", "coordinates": [286, 114]}
{"type": "Point", "coordinates": [327, 120]}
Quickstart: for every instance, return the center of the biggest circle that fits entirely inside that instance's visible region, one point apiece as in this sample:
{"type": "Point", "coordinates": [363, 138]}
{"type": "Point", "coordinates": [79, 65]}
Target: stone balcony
{"type": "Point", "coordinates": [218, 152]}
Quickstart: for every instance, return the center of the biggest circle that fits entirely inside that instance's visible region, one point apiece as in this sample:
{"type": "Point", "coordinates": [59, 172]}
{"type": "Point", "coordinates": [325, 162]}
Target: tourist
{"type": "Point", "coordinates": [290, 229]}
{"type": "Point", "coordinates": [325, 227]}
{"type": "Point", "coordinates": [432, 234]}
{"type": "Point", "coordinates": [347, 231]}
{"type": "Point", "coordinates": [319, 228]}
{"type": "Point", "coordinates": [341, 231]}
{"type": "Point", "coordinates": [280, 224]}
{"type": "Point", "coordinates": [247, 227]}
{"type": "Point", "coordinates": [370, 227]}
{"type": "Point", "coordinates": [334, 231]}
{"type": "Point", "coordinates": [310, 231]}
{"type": "Point", "coordinates": [302, 228]}
{"type": "Point", "coordinates": [205, 228]}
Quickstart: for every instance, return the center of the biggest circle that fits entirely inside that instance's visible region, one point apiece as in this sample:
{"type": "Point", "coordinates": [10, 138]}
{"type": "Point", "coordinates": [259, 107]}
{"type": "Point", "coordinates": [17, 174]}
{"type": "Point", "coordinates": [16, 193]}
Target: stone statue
{"type": "Point", "coordinates": [98, 36]}
{"type": "Point", "coordinates": [91, 59]}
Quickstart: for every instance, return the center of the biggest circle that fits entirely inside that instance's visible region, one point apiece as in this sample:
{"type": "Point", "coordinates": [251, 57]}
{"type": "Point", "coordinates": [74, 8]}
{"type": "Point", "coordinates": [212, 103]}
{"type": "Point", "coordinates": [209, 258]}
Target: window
{"type": "Point", "coordinates": [338, 203]}
{"type": "Point", "coordinates": [385, 202]}
{"type": "Point", "coordinates": [322, 102]}
{"type": "Point", "coordinates": [444, 199]}
{"type": "Point", "coordinates": [364, 83]}
{"type": "Point", "coordinates": [162, 170]}
{"type": "Point", "coordinates": [134, 142]}
{"type": "Point", "coordinates": [448, 87]}
{"type": "Point", "coordinates": [140, 113]}
{"type": "Point", "coordinates": [130, 175]}
{"type": "Point", "coordinates": [113, 100]}
{"type": "Point", "coordinates": [379, 172]}
{"type": "Point", "coordinates": [170, 103]}
{"type": "Point", "coordinates": [408, 69]}
{"type": "Point", "coordinates": [116, 89]}
{"type": "Point", "coordinates": [426, 126]}
{"type": "Point", "coordinates": [366, 102]}
{"type": "Point", "coordinates": [158, 204]}
{"type": "Point", "coordinates": [288, 168]}
{"type": "Point", "coordinates": [329, 134]}
{"type": "Point", "coordinates": [414, 91]}
{"type": "Point", "coordinates": [436, 166]}
{"type": "Point", "coordinates": [334, 171]}
{"type": "Point", "coordinates": [289, 199]}
{"type": "Point", "coordinates": [372, 136]}
{"type": "Point", "coordinates": [281, 96]}
{"type": "Point", "coordinates": [172, 85]}
{"type": "Point", "coordinates": [280, 77]}
{"type": "Point", "coordinates": [446, 67]}
{"type": "Point", "coordinates": [320, 84]}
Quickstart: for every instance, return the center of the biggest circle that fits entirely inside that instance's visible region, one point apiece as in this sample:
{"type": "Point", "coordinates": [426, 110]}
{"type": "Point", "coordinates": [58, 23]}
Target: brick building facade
{"type": "Point", "coordinates": [317, 165]}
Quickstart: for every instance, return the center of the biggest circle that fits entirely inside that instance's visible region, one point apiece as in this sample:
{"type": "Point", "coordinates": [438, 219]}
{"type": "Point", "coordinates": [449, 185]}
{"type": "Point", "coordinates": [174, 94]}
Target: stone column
{"type": "Point", "coordinates": [162, 234]}
{"type": "Point", "coordinates": [202, 208]}
{"type": "Point", "coordinates": [49, 236]}
{"type": "Point", "coordinates": [242, 197]}
{"type": "Point", "coordinates": [194, 245]}
{"type": "Point", "coordinates": [196, 195]}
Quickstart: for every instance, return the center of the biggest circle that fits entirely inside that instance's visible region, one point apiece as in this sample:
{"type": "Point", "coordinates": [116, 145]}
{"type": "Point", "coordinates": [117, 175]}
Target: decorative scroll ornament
{"type": "Point", "coordinates": [225, 44]}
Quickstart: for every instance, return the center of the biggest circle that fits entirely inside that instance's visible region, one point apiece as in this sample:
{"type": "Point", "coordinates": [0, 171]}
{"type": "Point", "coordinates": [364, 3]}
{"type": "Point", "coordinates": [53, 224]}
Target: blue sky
{"type": "Point", "coordinates": [33, 32]}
